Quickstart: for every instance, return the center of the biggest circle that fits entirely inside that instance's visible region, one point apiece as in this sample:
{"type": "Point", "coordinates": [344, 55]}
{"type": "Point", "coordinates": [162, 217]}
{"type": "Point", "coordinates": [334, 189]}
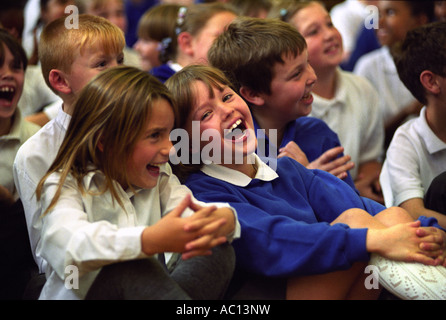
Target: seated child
{"type": "Point", "coordinates": [14, 131]}
{"type": "Point", "coordinates": [156, 29]}
{"type": "Point", "coordinates": [276, 82]}
{"type": "Point", "coordinates": [110, 196]}
{"type": "Point", "coordinates": [346, 102]}
{"type": "Point", "coordinates": [197, 27]}
{"type": "Point", "coordinates": [396, 18]}
{"type": "Point", "coordinates": [69, 59]}
{"type": "Point", "coordinates": [306, 226]}
{"type": "Point", "coordinates": [417, 153]}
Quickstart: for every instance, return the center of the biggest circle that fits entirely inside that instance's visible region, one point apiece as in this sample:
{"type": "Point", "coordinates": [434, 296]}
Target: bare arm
{"type": "Point", "coordinates": [416, 209]}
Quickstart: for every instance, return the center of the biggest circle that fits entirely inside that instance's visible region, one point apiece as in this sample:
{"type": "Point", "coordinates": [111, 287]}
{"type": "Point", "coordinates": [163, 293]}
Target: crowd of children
{"type": "Point", "coordinates": [305, 158]}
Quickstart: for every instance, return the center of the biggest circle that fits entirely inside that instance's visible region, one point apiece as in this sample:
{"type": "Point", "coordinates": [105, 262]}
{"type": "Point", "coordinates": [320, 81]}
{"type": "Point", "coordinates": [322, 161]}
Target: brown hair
{"type": "Point", "coordinates": [159, 24]}
{"type": "Point", "coordinates": [111, 110]}
{"type": "Point", "coordinates": [181, 87]}
{"type": "Point", "coordinates": [247, 51]}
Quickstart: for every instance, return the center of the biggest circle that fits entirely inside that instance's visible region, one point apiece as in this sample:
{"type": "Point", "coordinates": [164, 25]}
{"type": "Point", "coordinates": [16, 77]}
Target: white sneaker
{"type": "Point", "coordinates": [411, 281]}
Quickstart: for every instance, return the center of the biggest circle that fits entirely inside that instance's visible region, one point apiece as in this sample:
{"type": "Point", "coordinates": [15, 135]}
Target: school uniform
{"type": "Point", "coordinates": [88, 231]}
{"type": "Point", "coordinates": [312, 135]}
{"type": "Point", "coordinates": [415, 157]}
{"type": "Point", "coordinates": [355, 115]}
{"type": "Point", "coordinates": [285, 217]}
{"type": "Point", "coordinates": [379, 68]}
{"type": "Point", "coordinates": [32, 161]}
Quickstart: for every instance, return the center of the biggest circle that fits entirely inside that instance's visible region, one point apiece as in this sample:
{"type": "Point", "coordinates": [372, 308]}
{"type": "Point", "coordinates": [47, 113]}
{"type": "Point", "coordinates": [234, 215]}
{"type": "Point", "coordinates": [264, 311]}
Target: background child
{"type": "Point", "coordinates": [417, 153]}
{"type": "Point", "coordinates": [395, 19]}
{"type": "Point", "coordinates": [69, 59]}
{"type": "Point", "coordinates": [14, 131]}
{"type": "Point", "coordinates": [97, 212]}
{"type": "Point", "coordinates": [198, 25]}
{"type": "Point", "coordinates": [342, 98]}
{"type": "Point", "coordinates": [277, 82]}
{"type": "Point", "coordinates": [113, 11]}
{"type": "Point", "coordinates": [294, 221]}
{"type": "Point", "coordinates": [156, 31]}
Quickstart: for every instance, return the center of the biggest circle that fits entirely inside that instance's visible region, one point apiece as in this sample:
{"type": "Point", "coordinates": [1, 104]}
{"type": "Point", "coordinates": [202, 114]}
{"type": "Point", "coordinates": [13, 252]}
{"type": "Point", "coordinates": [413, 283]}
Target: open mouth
{"type": "Point", "coordinates": [237, 131]}
{"type": "Point", "coordinates": [154, 167]}
{"type": "Point", "coordinates": [7, 93]}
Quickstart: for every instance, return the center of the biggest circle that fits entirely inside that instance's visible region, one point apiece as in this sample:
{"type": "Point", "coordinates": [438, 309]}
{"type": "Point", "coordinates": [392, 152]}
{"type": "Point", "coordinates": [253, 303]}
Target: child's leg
{"type": "Point", "coordinates": [358, 218]}
{"type": "Point", "coordinates": [143, 279]}
{"type": "Point", "coordinates": [339, 285]}
{"type": "Point", "coordinates": [206, 277]}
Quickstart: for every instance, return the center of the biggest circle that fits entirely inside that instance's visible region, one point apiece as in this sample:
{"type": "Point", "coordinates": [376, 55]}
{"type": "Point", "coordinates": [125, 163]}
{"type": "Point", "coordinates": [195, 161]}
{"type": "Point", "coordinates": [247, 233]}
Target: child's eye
{"type": "Point", "coordinates": [205, 115]}
{"type": "Point", "coordinates": [101, 64]}
{"type": "Point", "coordinates": [120, 60]}
{"type": "Point", "coordinates": [227, 97]}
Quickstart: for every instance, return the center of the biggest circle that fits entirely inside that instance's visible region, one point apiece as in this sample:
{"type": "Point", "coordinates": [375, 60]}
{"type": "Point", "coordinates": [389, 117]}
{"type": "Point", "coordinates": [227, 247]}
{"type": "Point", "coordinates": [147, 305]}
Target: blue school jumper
{"type": "Point", "coordinates": [312, 135]}
{"type": "Point", "coordinates": [285, 220]}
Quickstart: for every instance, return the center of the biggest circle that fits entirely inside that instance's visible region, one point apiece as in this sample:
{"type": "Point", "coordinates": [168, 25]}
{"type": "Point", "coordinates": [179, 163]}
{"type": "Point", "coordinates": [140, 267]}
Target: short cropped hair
{"type": "Point", "coordinates": [250, 47]}
{"type": "Point", "coordinates": [424, 48]}
{"type": "Point", "coordinates": [59, 45]}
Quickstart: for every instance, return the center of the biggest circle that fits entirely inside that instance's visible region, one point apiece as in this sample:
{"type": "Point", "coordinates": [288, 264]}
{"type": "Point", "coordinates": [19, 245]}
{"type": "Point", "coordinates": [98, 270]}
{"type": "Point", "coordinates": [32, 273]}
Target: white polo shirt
{"type": "Point", "coordinates": [354, 114]}
{"type": "Point", "coordinates": [379, 68]}
{"type": "Point", "coordinates": [10, 143]}
{"type": "Point", "coordinates": [414, 158]}
{"type": "Point", "coordinates": [33, 160]}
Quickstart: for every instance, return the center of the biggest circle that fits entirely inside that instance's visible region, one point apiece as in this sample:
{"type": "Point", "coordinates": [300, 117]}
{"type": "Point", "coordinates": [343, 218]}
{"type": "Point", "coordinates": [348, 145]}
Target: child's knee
{"type": "Point", "coordinates": [355, 218]}
{"type": "Point", "coordinates": [394, 215]}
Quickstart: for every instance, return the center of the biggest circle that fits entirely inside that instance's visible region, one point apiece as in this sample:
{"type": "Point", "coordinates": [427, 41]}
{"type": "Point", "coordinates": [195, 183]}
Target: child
{"type": "Point", "coordinates": [417, 153]}
{"type": "Point", "coordinates": [156, 29]}
{"type": "Point", "coordinates": [197, 27]}
{"type": "Point", "coordinates": [14, 131]}
{"type": "Point", "coordinates": [294, 221]}
{"type": "Point", "coordinates": [97, 211]}
{"type": "Point", "coordinates": [396, 18]}
{"type": "Point", "coordinates": [113, 11]}
{"type": "Point", "coordinates": [347, 103]}
{"type": "Point", "coordinates": [276, 82]}
{"type": "Point", "coordinates": [69, 59]}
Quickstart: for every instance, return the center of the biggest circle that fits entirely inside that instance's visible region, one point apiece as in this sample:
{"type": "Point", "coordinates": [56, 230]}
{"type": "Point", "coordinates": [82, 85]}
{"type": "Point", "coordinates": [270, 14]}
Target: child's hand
{"type": "Point", "coordinates": [196, 234]}
{"type": "Point", "coordinates": [403, 242]}
{"type": "Point", "coordinates": [434, 240]}
{"type": "Point", "coordinates": [330, 162]}
{"type": "Point", "coordinates": [293, 151]}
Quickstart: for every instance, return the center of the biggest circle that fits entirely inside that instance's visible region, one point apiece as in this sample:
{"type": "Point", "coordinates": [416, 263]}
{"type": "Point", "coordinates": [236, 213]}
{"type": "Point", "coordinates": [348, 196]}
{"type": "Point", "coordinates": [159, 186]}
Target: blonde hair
{"type": "Point", "coordinates": [110, 112]}
{"type": "Point", "coordinates": [58, 46]}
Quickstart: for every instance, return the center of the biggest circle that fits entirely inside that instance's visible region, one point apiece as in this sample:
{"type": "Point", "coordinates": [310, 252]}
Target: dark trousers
{"type": "Point", "coordinates": [435, 198]}
{"type": "Point", "coordinates": [17, 262]}
{"type": "Point", "coordinates": [199, 278]}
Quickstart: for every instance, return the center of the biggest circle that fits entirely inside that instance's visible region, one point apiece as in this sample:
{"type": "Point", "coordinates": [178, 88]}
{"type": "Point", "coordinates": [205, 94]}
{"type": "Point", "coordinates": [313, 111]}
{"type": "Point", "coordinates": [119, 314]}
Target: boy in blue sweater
{"type": "Point", "coordinates": [275, 79]}
{"type": "Point", "coordinates": [305, 226]}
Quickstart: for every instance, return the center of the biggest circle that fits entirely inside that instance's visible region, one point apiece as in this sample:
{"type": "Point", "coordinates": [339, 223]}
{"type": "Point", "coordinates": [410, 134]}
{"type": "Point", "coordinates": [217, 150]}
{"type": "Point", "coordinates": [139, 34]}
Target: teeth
{"type": "Point", "coordinates": [155, 164]}
{"type": "Point", "coordinates": [236, 124]}
{"type": "Point", "coordinates": [7, 89]}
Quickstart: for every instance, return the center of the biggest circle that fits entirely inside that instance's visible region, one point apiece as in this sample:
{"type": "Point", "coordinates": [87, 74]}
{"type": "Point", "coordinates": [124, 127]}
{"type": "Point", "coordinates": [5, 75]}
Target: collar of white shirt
{"type": "Point", "coordinates": [264, 172]}
{"type": "Point", "coordinates": [432, 142]}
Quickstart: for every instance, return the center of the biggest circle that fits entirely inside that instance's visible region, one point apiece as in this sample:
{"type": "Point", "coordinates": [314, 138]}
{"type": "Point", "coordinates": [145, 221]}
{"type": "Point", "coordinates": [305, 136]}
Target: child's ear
{"type": "Point", "coordinates": [184, 41]}
{"type": "Point", "coordinates": [430, 82]}
{"type": "Point", "coordinates": [58, 81]}
{"type": "Point", "coordinates": [251, 96]}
